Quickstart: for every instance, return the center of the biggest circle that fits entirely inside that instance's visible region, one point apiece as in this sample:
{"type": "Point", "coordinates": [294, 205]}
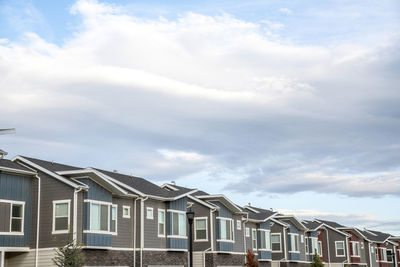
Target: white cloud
{"type": "Point", "coordinates": [285, 11]}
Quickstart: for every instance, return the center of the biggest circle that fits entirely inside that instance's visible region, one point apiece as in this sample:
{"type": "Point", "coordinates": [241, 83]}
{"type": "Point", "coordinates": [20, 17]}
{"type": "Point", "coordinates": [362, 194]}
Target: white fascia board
{"type": "Point", "coordinates": [6, 169]}
{"type": "Point", "coordinates": [97, 173]}
{"type": "Point", "coordinates": [279, 222]}
{"type": "Point", "coordinates": [202, 202]}
{"type": "Point", "coordinates": [52, 174]}
{"type": "Point", "coordinates": [170, 187]}
{"type": "Point", "coordinates": [336, 230]}
{"type": "Point", "coordinates": [292, 217]}
{"type": "Point", "coordinates": [251, 209]}
{"type": "Point", "coordinates": [239, 210]}
{"type": "Point", "coordinates": [186, 194]}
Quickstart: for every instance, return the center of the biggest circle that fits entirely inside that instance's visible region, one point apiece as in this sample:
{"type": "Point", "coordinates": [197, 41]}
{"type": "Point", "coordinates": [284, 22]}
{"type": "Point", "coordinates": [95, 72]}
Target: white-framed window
{"type": "Point", "coordinates": [149, 213]}
{"type": "Point", "coordinates": [161, 223]}
{"type": "Point", "coordinates": [17, 217]}
{"type": "Point", "coordinates": [61, 216]}
{"type": "Point", "coordinates": [276, 242]}
{"type": "Point", "coordinates": [307, 245]}
{"type": "Point", "coordinates": [339, 247]}
{"type": "Point", "coordinates": [294, 243]}
{"type": "Point", "coordinates": [254, 238]}
{"type": "Point", "coordinates": [314, 246]}
{"type": "Point", "coordinates": [226, 229]}
{"type": "Point", "coordinates": [376, 254]}
{"type": "Point", "coordinates": [355, 249]}
{"type": "Point", "coordinates": [239, 224]}
{"type": "Point", "coordinates": [178, 222]}
{"type": "Point", "coordinates": [100, 213]}
{"type": "Point", "coordinates": [114, 219]}
{"type": "Point", "coordinates": [302, 238]}
{"type": "Point", "coordinates": [126, 212]}
{"type": "Point", "coordinates": [383, 254]}
{"type": "Point", "coordinates": [200, 229]}
{"type": "Point", "coordinates": [319, 250]}
{"type": "Point", "coordinates": [362, 245]}
{"type": "Point", "coordinates": [265, 241]}
{"type": "Point", "coordinates": [247, 232]}
{"type": "Point", "coordinates": [389, 254]}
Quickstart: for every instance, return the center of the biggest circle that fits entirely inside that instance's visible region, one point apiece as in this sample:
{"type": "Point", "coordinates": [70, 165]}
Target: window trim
{"type": "Point", "coordinates": [195, 229]}
{"type": "Point", "coordinates": [91, 201]}
{"type": "Point", "coordinates": [320, 244]}
{"type": "Point", "coordinates": [238, 224]}
{"type": "Point", "coordinates": [307, 245]}
{"type": "Point", "coordinates": [147, 213]}
{"type": "Point", "coordinates": [128, 216]}
{"type": "Point", "coordinates": [280, 243]}
{"type": "Point", "coordinates": [387, 258]}
{"type": "Point", "coordinates": [352, 249]}
{"type": "Point", "coordinates": [254, 238]}
{"type": "Point", "coordinates": [116, 218]}
{"type": "Point", "coordinates": [63, 201]}
{"type": "Point", "coordinates": [232, 230]}
{"type": "Point", "coordinates": [379, 249]}
{"type": "Point", "coordinates": [23, 218]}
{"type": "Point", "coordinates": [158, 223]}
{"type": "Point", "coordinates": [247, 231]}
{"type": "Point", "coordinates": [268, 232]}
{"type": "Point", "coordinates": [177, 212]}
{"type": "Point", "coordinates": [336, 249]}
{"type": "Point", "coordinates": [291, 245]}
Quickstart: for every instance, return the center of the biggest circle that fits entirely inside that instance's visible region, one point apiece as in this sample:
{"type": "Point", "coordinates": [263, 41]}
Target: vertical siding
{"type": "Point", "coordinates": [97, 240]}
{"type": "Point", "coordinates": [18, 188]}
{"type": "Point", "coordinates": [5, 217]}
{"type": "Point", "coordinates": [96, 192]}
{"type": "Point", "coordinates": [177, 243]}
{"type": "Point", "coordinates": [265, 255]}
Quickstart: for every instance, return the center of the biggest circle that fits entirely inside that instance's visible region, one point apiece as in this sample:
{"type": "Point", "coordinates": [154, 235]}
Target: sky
{"type": "Point", "coordinates": [289, 105]}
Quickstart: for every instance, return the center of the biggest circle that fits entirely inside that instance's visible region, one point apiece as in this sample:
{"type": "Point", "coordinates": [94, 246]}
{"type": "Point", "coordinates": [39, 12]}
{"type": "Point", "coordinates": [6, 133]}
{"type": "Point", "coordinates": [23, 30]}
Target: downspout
{"type": "Point", "coordinates": [142, 200]}
{"type": "Point", "coordinates": [244, 234]}
{"type": "Point", "coordinates": [369, 252]}
{"type": "Point", "coordinates": [75, 222]}
{"type": "Point", "coordinates": [37, 223]}
{"type": "Point", "coordinates": [134, 231]}
{"type": "Point", "coordinates": [329, 251]}
{"type": "Point", "coordinates": [348, 249]}
{"type": "Point", "coordinates": [284, 242]}
{"type": "Point", "coordinates": [212, 228]}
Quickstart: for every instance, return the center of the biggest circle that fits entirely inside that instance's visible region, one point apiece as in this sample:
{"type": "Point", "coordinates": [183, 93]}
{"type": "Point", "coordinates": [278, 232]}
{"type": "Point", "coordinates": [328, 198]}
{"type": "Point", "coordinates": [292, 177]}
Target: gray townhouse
{"type": "Point", "coordinates": [293, 232]}
{"type": "Point", "coordinates": [331, 244]}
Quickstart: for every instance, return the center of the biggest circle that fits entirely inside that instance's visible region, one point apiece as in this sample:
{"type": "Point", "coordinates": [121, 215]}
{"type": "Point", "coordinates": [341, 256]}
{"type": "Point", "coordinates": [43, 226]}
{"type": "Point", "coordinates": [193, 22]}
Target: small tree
{"type": "Point", "coordinates": [70, 255]}
{"type": "Point", "coordinates": [316, 261]}
{"type": "Point", "coordinates": [250, 260]}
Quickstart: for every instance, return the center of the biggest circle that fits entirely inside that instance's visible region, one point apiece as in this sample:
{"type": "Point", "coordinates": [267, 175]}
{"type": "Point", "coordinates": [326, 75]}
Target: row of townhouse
{"type": "Point", "coordinates": [122, 220]}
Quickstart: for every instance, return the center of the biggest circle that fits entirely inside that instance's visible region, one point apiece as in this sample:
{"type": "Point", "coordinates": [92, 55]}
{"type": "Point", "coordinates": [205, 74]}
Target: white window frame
{"type": "Point", "coordinates": [267, 236]}
{"type": "Point", "coordinates": [231, 222]}
{"type": "Point", "coordinates": [254, 238]}
{"type": "Point", "coordinates": [291, 243]}
{"type": "Point", "coordinates": [90, 201]}
{"type": "Point", "coordinates": [23, 216]}
{"type": "Point", "coordinates": [336, 249]}
{"type": "Point", "coordinates": [195, 229]}
{"type": "Point", "coordinates": [314, 245]}
{"type": "Point", "coordinates": [128, 208]}
{"type": "Point", "coordinates": [376, 254]}
{"type": "Point", "coordinates": [307, 245]}
{"type": "Point", "coordinates": [63, 201]}
{"type": "Point", "coordinates": [302, 239]}
{"type": "Point", "coordinates": [158, 222]}
{"type": "Point", "coordinates": [247, 232]}
{"type": "Point", "coordinates": [382, 253]}
{"type": "Point", "coordinates": [387, 258]}
{"type": "Point", "coordinates": [357, 244]}
{"type": "Point", "coordinates": [179, 212]}
{"type": "Point", "coordinates": [116, 218]}
{"type": "Point", "coordinates": [320, 253]}
{"type": "Point", "coordinates": [280, 243]}
{"type": "Point", "coordinates": [147, 213]}
{"type": "Point", "coordinates": [238, 224]}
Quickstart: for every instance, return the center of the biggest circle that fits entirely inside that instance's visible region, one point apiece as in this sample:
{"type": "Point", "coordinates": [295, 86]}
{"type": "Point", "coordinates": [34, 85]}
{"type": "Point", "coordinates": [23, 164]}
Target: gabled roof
{"type": "Point", "coordinates": [293, 219]}
{"type": "Point", "coordinates": [10, 166]}
{"type": "Point", "coordinates": [376, 236]}
{"type": "Point", "coordinates": [313, 225]}
{"type": "Point", "coordinates": [280, 223]}
{"type": "Point", "coordinates": [222, 199]}
{"type": "Point", "coordinates": [330, 223]}
{"type": "Point", "coordinates": [258, 214]}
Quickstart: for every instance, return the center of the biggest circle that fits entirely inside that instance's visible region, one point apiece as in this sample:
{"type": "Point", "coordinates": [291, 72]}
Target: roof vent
{"type": "Point", "coordinates": [249, 204]}
{"type": "Point", "coordinates": [173, 183]}
{"type": "Point", "coordinates": [115, 171]}
{"type": "Point", "coordinates": [271, 209]}
{"type": "Point", "coordinates": [52, 162]}
{"type": "Point", "coordinates": [2, 154]}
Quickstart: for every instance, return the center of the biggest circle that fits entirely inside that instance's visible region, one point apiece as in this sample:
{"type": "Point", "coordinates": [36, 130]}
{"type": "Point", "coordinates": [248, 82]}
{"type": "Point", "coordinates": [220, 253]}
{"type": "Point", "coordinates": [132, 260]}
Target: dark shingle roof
{"type": "Point", "coordinates": [261, 215]}
{"type": "Point", "coordinates": [330, 223]}
{"type": "Point", "coordinates": [12, 165]}
{"type": "Point", "coordinates": [312, 225]}
{"type": "Point", "coordinates": [375, 235]}
{"type": "Point", "coordinates": [52, 166]}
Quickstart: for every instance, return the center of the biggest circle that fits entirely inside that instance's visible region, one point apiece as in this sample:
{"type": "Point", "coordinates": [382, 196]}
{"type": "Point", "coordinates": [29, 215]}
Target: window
{"type": "Point", "coordinates": [356, 249]}
{"type": "Point", "coordinates": [200, 225]}
{"type": "Point", "coordinates": [113, 226]}
{"type": "Point", "coordinates": [247, 232]}
{"type": "Point", "coordinates": [276, 242]}
{"type": "Point", "coordinates": [161, 223]}
{"type": "Point", "coordinates": [319, 250]}
{"type": "Point", "coordinates": [294, 243]}
{"type": "Point", "coordinates": [178, 224]}
{"type": "Point", "coordinates": [99, 214]}
{"type": "Point", "coordinates": [383, 254]}
{"type": "Point", "coordinates": [339, 246]}
{"type": "Point", "coordinates": [265, 242]}
{"type": "Point", "coordinates": [389, 255]}
{"type": "Point", "coordinates": [376, 254]}
{"type": "Point", "coordinates": [61, 213]}
{"type": "Point", "coordinates": [254, 238]}
{"type": "Point", "coordinates": [126, 212]}
{"type": "Point", "coordinates": [149, 213]}
{"type": "Point", "coordinates": [302, 238]}
{"type": "Point", "coordinates": [238, 224]}
{"type": "Point", "coordinates": [307, 246]}
{"type": "Point", "coordinates": [226, 229]}
{"type": "Point", "coordinates": [17, 218]}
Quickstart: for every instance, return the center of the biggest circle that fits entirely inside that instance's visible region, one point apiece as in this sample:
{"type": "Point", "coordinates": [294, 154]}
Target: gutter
{"type": "Point", "coordinates": [75, 222]}
{"type": "Point", "coordinates": [212, 228]}
{"type": "Point", "coordinates": [329, 251]}
{"type": "Point", "coordinates": [134, 231]}
{"type": "Point", "coordinates": [37, 223]}
{"type": "Point", "coordinates": [284, 242]}
{"type": "Point", "coordinates": [244, 234]}
{"type": "Point", "coordinates": [142, 200]}
{"type": "Point", "coordinates": [348, 249]}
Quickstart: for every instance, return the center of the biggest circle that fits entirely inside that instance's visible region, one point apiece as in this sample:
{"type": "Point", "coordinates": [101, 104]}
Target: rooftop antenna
{"type": "Point", "coordinates": [5, 131]}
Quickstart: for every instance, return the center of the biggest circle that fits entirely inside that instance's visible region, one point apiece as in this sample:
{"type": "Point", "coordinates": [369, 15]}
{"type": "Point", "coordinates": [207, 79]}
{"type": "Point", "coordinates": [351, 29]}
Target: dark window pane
{"type": "Point", "coordinates": [161, 229]}
{"type": "Point", "coordinates": [113, 226]}
{"type": "Point", "coordinates": [61, 223]}
{"type": "Point", "coordinates": [104, 218]}
{"type": "Point", "coordinates": [276, 246]}
{"type": "Point", "coordinates": [201, 234]}
{"type": "Point", "coordinates": [16, 225]}
{"type": "Point", "coordinates": [17, 211]}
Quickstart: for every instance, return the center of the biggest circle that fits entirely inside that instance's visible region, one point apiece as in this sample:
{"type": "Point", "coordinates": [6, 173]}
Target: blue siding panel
{"type": "Point", "coordinates": [223, 211]}
{"type": "Point", "coordinates": [97, 240]}
{"type": "Point", "coordinates": [179, 204]}
{"type": "Point", "coordinates": [265, 255]}
{"type": "Point", "coordinates": [18, 188]}
{"type": "Point", "coordinates": [224, 246]}
{"type": "Point", "coordinates": [179, 243]}
{"type": "Point", "coordinates": [96, 192]}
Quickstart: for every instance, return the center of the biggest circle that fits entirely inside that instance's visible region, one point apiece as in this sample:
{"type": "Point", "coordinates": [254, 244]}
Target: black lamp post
{"type": "Point", "coordinates": [190, 217]}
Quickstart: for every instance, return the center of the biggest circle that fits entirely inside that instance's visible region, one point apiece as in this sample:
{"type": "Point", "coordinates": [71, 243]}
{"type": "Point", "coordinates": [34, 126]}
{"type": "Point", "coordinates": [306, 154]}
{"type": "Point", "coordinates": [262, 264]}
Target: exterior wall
{"type": "Point", "coordinates": [381, 262]}
{"type": "Point", "coordinates": [225, 213]}
{"type": "Point", "coordinates": [331, 236]}
{"type": "Point", "coordinates": [222, 259]}
{"type": "Point", "coordinates": [390, 246]}
{"type": "Point", "coordinates": [202, 211]}
{"type": "Point", "coordinates": [27, 259]}
{"type": "Point", "coordinates": [172, 242]}
{"type": "Point", "coordinates": [238, 245]}
{"type": "Point", "coordinates": [318, 235]}
{"type": "Point", "coordinates": [301, 256]}
{"type": "Point", "coordinates": [249, 244]}
{"type": "Point", "coordinates": [124, 237]}
{"type": "Point", "coordinates": [262, 254]}
{"type": "Point", "coordinates": [17, 188]}
{"type": "Point", "coordinates": [277, 256]}
{"type": "Point", "coordinates": [151, 239]}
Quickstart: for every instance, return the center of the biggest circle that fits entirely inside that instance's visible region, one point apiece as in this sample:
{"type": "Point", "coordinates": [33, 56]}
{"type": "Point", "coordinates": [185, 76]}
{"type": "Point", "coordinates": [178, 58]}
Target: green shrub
{"type": "Point", "coordinates": [70, 255]}
{"type": "Point", "coordinates": [316, 260]}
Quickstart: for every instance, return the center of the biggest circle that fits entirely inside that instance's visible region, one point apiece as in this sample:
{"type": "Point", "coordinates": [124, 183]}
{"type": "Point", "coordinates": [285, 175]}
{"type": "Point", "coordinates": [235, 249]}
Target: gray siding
{"type": "Point", "coordinates": [5, 217]}
{"type": "Point", "coordinates": [249, 244]}
{"type": "Point", "coordinates": [201, 211]}
{"type": "Point", "coordinates": [18, 188]}
{"type": "Point", "coordinates": [334, 236]}
{"type": "Point", "coordinates": [151, 239]}
{"type": "Point", "coordinates": [124, 237]}
{"type": "Point", "coordinates": [238, 246]}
